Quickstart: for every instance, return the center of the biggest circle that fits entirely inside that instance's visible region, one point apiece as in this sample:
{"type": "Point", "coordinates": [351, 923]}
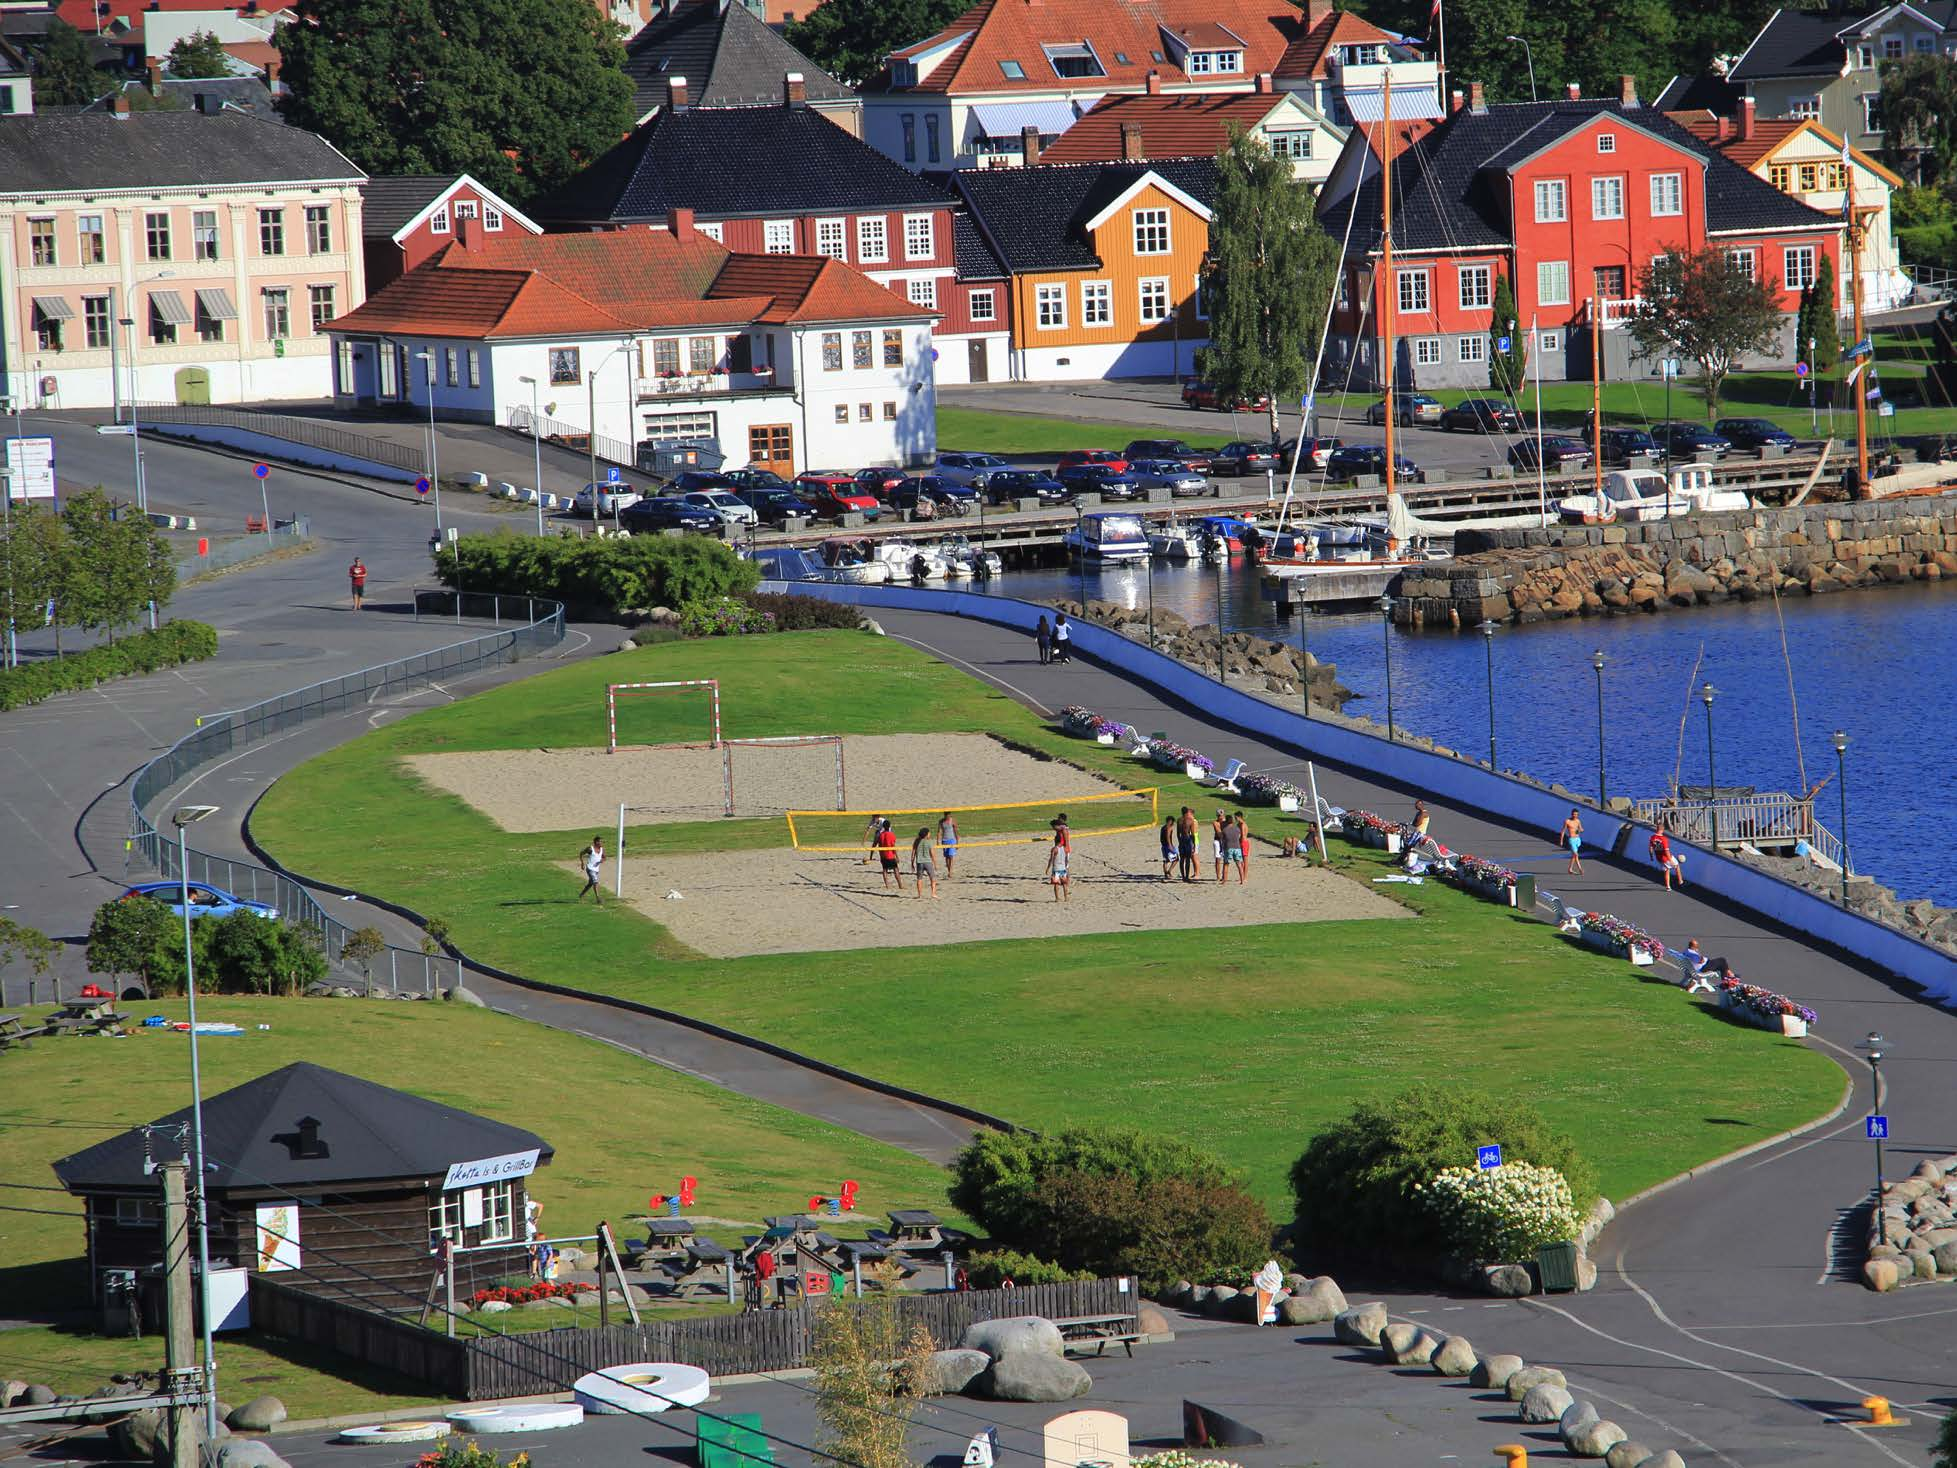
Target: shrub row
{"type": "Point", "coordinates": [616, 574]}
{"type": "Point", "coordinates": [144, 652]}
{"type": "Point", "coordinates": [725, 616]}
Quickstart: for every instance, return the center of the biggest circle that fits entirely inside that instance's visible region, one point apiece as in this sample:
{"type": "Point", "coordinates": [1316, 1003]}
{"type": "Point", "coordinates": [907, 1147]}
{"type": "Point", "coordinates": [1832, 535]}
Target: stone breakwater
{"type": "Point", "coordinates": [1256, 663]}
{"type": "Point", "coordinates": [1606, 570]}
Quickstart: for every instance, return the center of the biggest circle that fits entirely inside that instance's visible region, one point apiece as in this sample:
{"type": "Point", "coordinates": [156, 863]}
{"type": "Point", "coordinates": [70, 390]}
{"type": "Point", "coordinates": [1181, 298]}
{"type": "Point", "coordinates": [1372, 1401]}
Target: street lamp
{"type": "Point", "coordinates": [1841, 788]}
{"type": "Point", "coordinates": [591, 418]}
{"type": "Point", "coordinates": [1529, 56]}
{"type": "Point", "coordinates": [1304, 655]}
{"type": "Point", "coordinates": [1597, 662]}
{"type": "Point", "coordinates": [1487, 630]}
{"type": "Point", "coordinates": [1712, 773]}
{"type": "Point", "coordinates": [135, 416]}
{"type": "Point", "coordinates": [11, 404]}
{"type": "Point", "coordinates": [1222, 561]}
{"type": "Point", "coordinates": [183, 818]}
{"type": "Point", "coordinates": [434, 459]}
{"type": "Point", "coordinates": [1080, 550]}
{"type": "Point", "coordinates": [537, 446]}
{"type": "Point", "coordinates": [1874, 1046]}
{"type": "Point", "coordinates": [1386, 644]}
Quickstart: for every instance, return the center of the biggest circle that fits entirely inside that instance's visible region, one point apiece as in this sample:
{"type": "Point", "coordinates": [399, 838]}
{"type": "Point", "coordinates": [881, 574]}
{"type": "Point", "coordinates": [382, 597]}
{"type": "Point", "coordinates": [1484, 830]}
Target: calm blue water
{"type": "Point", "coordinates": [1880, 665]}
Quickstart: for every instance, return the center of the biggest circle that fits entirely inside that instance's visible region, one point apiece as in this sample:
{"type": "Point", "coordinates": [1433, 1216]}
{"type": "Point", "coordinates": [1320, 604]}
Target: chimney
{"type": "Point", "coordinates": [156, 78]}
{"type": "Point", "coordinates": [680, 222]}
{"type": "Point", "coordinates": [1627, 91]}
{"type": "Point", "coordinates": [1725, 128]}
{"type": "Point", "coordinates": [1457, 99]}
{"type": "Point", "coordinates": [1477, 99]}
{"type": "Point", "coordinates": [1573, 92]}
{"type": "Point", "coordinates": [1746, 119]}
{"type": "Point", "coordinates": [1131, 142]}
{"type": "Point", "coordinates": [465, 231]}
{"type": "Point", "coordinates": [1317, 11]}
{"type": "Point", "coordinates": [118, 105]}
{"type": "Point", "coordinates": [1153, 84]}
{"type": "Point", "coordinates": [1264, 83]}
{"type": "Point", "coordinates": [306, 1142]}
{"type": "Point", "coordinates": [1029, 143]}
{"type": "Point", "coordinates": [794, 91]}
{"type": "Point", "coordinates": [272, 77]}
{"type": "Point", "coordinates": [676, 93]}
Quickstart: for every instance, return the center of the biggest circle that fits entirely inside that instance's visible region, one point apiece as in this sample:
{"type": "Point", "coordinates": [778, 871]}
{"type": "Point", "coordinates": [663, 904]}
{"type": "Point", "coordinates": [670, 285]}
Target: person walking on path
{"type": "Point", "coordinates": [1186, 843]}
{"type": "Point", "coordinates": [1056, 860]}
{"type": "Point", "coordinates": [1668, 860]}
{"type": "Point", "coordinates": [948, 839]}
{"type": "Point", "coordinates": [1043, 635]}
{"type": "Point", "coordinates": [1231, 835]}
{"type": "Point", "coordinates": [594, 864]}
{"type": "Point", "coordinates": [1572, 836]}
{"type": "Point", "coordinates": [887, 855]}
{"type": "Point", "coordinates": [1168, 834]}
{"type": "Point", "coordinates": [922, 868]}
{"type": "Point", "coordinates": [357, 576]}
{"type": "Point", "coordinates": [1063, 639]}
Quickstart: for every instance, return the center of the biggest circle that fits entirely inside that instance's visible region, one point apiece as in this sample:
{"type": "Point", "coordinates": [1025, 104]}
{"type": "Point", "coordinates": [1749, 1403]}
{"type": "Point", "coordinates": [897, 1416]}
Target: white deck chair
{"type": "Point", "coordinates": [1228, 779]}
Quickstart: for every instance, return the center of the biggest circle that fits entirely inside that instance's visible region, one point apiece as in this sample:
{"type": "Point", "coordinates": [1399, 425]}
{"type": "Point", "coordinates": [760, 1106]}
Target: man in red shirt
{"type": "Point", "coordinates": [887, 856]}
{"type": "Point", "coordinates": [1661, 853]}
{"type": "Point", "coordinates": [357, 574]}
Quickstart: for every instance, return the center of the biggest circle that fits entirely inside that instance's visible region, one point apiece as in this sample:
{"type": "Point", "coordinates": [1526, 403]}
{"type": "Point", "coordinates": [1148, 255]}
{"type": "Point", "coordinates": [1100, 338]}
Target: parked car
{"type": "Point", "coordinates": [669, 512]}
{"type": "Point", "coordinates": [1622, 445]}
{"type": "Point", "coordinates": [734, 511]}
{"type": "Point", "coordinates": [1167, 448]}
{"type": "Point", "coordinates": [1353, 460]}
{"type": "Point", "coordinates": [972, 469]}
{"type": "Point", "coordinates": [879, 480]}
{"type": "Point", "coordinates": [688, 480]}
{"type": "Point", "coordinates": [1107, 458]}
{"type": "Point", "coordinates": [932, 497]}
{"type": "Point", "coordinates": [833, 492]}
{"type": "Point", "coordinates": [1315, 455]}
{"type": "Point", "coordinates": [1559, 454]}
{"type": "Point", "coordinates": [205, 900]}
{"type": "Point", "coordinates": [1242, 457]}
{"type": "Point", "coordinates": [1481, 415]}
{"type": "Point", "coordinates": [1409, 408]}
{"type": "Point", "coordinates": [1199, 394]}
{"type": "Point", "coordinates": [609, 499]}
{"type": "Point", "coordinates": [1688, 440]}
{"type": "Point", "coordinates": [1102, 479]}
{"type": "Point", "coordinates": [753, 478]}
{"type": "Point", "coordinates": [774, 506]}
{"type": "Point", "coordinates": [1007, 485]}
{"type": "Point", "coordinates": [1169, 474]}
{"type": "Point", "coordinates": [1753, 433]}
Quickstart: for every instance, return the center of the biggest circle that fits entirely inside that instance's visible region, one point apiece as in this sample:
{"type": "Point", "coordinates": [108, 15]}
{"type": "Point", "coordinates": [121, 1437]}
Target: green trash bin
{"type": "Point", "coordinates": [1525, 892]}
{"type": "Point", "coordinates": [1558, 1265]}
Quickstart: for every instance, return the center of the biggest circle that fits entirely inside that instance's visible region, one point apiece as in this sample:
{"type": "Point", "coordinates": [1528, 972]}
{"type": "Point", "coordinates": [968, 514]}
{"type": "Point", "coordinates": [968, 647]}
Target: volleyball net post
{"type": "Point", "coordinates": [616, 691]}
{"type": "Point", "coordinates": [1009, 823]}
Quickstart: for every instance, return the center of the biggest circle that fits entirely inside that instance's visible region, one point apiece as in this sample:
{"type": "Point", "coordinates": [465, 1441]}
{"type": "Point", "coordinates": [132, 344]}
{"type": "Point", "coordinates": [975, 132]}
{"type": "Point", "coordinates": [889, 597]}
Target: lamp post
{"type": "Point", "coordinates": [7, 510]}
{"type": "Point", "coordinates": [1222, 561]}
{"type": "Point", "coordinates": [1712, 772]}
{"type": "Point", "coordinates": [591, 421]}
{"type": "Point", "coordinates": [1304, 655]}
{"type": "Point", "coordinates": [1080, 552]}
{"type": "Point", "coordinates": [183, 818]}
{"type": "Point", "coordinates": [1487, 630]}
{"type": "Point", "coordinates": [1597, 662]}
{"type": "Point", "coordinates": [1386, 645]}
{"type": "Point", "coordinates": [1841, 788]}
{"type": "Point", "coordinates": [1874, 1046]}
{"type": "Point", "coordinates": [537, 447]}
{"type": "Point", "coordinates": [434, 461]}
{"type": "Point", "coordinates": [1529, 56]}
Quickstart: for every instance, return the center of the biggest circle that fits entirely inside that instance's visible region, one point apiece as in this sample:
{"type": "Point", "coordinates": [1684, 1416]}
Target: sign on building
{"type": "Point", "coordinates": [490, 1170]}
{"type": "Point", "coordinates": [30, 469]}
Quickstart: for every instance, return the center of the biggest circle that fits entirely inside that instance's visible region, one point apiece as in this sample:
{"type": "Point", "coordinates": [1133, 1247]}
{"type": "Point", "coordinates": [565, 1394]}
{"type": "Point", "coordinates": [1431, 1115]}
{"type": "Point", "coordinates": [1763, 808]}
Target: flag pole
{"type": "Point", "coordinates": [1439, 25]}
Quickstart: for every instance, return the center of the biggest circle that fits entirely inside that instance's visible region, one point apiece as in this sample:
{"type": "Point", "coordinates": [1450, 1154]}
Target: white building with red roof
{"type": "Point", "coordinates": [646, 337]}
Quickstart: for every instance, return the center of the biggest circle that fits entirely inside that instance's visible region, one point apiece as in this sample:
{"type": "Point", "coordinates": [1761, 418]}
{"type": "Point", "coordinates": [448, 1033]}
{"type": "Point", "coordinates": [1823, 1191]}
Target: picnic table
{"type": "Point", "coordinates": [12, 1031]}
{"type": "Point", "coordinates": [85, 1015]}
{"type": "Point", "coordinates": [917, 1231]}
{"type": "Point", "coordinates": [666, 1237]}
{"type": "Point", "coordinates": [1078, 1332]}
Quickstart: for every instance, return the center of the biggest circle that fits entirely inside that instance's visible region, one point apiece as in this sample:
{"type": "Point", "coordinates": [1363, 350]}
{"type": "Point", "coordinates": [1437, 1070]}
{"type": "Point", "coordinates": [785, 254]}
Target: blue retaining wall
{"type": "Point", "coordinates": [285, 450]}
{"type": "Point", "coordinates": [1454, 781]}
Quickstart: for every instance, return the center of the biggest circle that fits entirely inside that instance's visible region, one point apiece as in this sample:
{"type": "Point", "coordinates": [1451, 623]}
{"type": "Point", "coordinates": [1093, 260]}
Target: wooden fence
{"type": "Point", "coordinates": [376, 1340]}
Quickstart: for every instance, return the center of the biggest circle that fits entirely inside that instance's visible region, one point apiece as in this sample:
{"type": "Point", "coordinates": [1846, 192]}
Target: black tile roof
{"type": "Point", "coordinates": [389, 201]}
{"type": "Point", "coordinates": [205, 94]}
{"type": "Point", "coordinates": [728, 161]}
{"type": "Point", "coordinates": [974, 256]}
{"type": "Point", "coordinates": [369, 1133]}
{"type": "Point", "coordinates": [1444, 196]}
{"type": "Point", "coordinates": [729, 57]}
{"type": "Point", "coordinates": [1707, 93]}
{"type": "Point", "coordinates": [1794, 43]}
{"type": "Point", "coordinates": [1034, 217]}
{"type": "Point", "coordinates": [147, 150]}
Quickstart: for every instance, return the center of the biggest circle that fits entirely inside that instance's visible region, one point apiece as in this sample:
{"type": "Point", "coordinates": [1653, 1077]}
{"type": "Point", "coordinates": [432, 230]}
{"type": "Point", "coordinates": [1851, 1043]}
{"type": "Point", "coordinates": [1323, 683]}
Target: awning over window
{"type": "Point", "coordinates": [54, 308]}
{"type": "Point", "coordinates": [216, 304]}
{"type": "Point", "coordinates": [1007, 119]}
{"type": "Point", "coordinates": [169, 308]}
{"type": "Point", "coordinates": [1410, 103]}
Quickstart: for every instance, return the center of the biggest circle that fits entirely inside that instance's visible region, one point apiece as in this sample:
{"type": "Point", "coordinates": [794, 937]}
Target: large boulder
{"type": "Point", "coordinates": [11, 1392]}
{"type": "Point", "coordinates": [1493, 1372]}
{"type": "Point", "coordinates": [1315, 1301]}
{"type": "Point", "coordinates": [260, 1414]}
{"type": "Point", "coordinates": [1545, 1402]}
{"type": "Point", "coordinates": [1149, 1319]}
{"type": "Point", "coordinates": [952, 1371]}
{"type": "Point", "coordinates": [1924, 1263]}
{"type": "Point", "coordinates": [1398, 1337]}
{"type": "Point", "coordinates": [136, 1436]}
{"type": "Point", "coordinates": [1667, 1459]}
{"type": "Point", "coordinates": [1014, 1335]}
{"type": "Point", "coordinates": [1456, 1357]}
{"type": "Point", "coordinates": [1198, 1297]}
{"type": "Point", "coordinates": [1595, 1439]}
{"type": "Point", "coordinates": [1882, 1275]}
{"type": "Point", "coordinates": [1509, 1280]}
{"type": "Point", "coordinates": [1360, 1325]}
{"type": "Point", "coordinates": [38, 1396]}
{"type": "Point", "coordinates": [248, 1452]}
{"type": "Point", "coordinates": [460, 995]}
{"type": "Point", "coordinates": [1627, 1454]}
{"type": "Point", "coordinates": [1222, 1302]}
{"type": "Point", "coordinates": [1420, 1350]}
{"type": "Point", "coordinates": [494, 1307]}
{"type": "Point", "coordinates": [1520, 1382]}
{"type": "Point", "coordinates": [1030, 1376]}
{"type": "Point", "coordinates": [1576, 1417]}
{"type": "Point", "coordinates": [1944, 1254]}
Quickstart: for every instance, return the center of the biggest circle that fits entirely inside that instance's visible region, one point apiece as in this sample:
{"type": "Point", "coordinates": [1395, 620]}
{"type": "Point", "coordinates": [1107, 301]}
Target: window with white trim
{"type": "Point", "coordinates": [1050, 306]}
{"type": "Point", "coordinates": [920, 240]}
{"type": "Point", "coordinates": [1154, 300]}
{"type": "Point", "coordinates": [711, 230]}
{"type": "Point", "coordinates": [1746, 262]}
{"type": "Point", "coordinates": [1871, 112]}
{"type": "Point", "coordinates": [1474, 348]}
{"type": "Point", "coordinates": [454, 365]}
{"type": "Point", "coordinates": [1804, 109]}
{"type": "Point", "coordinates": [1667, 194]}
{"type": "Point", "coordinates": [931, 121]}
{"type": "Point", "coordinates": [1607, 198]}
{"type": "Point", "coordinates": [1797, 262]}
{"type": "Point", "coordinates": [438, 221]}
{"type": "Point", "coordinates": [778, 236]}
{"type": "Point", "coordinates": [1426, 351]}
{"type": "Point", "coordinates": [1552, 282]}
{"type": "Point", "coordinates": [1151, 231]}
{"type": "Point", "coordinates": [1289, 142]}
{"type": "Point", "coordinates": [1476, 287]}
{"type": "Point", "coordinates": [983, 306]}
{"type": "Point", "coordinates": [445, 1217]}
{"type": "Point", "coordinates": [1413, 290]}
{"type": "Point", "coordinates": [492, 217]}
{"type": "Point", "coordinates": [1551, 341]}
{"type": "Point", "coordinates": [922, 290]}
{"type": "Point", "coordinates": [475, 367]}
{"type": "Point", "coordinates": [1096, 303]}
{"type": "Point", "coordinates": [872, 240]}
{"type": "Point", "coordinates": [1606, 142]}
{"type": "Point", "coordinates": [498, 1213]}
{"type": "Point", "coordinates": [832, 238]}
{"type": "Point", "coordinates": [1892, 48]}
{"type": "Point", "coordinates": [1552, 200]}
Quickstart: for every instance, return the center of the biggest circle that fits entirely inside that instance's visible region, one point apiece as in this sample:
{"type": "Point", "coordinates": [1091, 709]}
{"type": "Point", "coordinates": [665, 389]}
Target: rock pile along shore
{"type": "Point", "coordinates": [1257, 661]}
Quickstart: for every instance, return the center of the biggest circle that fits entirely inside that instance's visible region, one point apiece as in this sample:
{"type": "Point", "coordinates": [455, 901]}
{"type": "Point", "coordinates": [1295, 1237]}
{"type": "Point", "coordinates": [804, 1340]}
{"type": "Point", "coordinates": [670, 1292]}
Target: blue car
{"type": "Point", "coordinates": [205, 900]}
{"type": "Point", "coordinates": [1753, 433]}
{"type": "Point", "coordinates": [1100, 479]}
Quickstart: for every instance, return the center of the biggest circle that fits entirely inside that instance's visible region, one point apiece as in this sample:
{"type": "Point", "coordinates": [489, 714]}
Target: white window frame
{"type": "Point", "coordinates": [1607, 196]}
{"type": "Point", "coordinates": [872, 240]}
{"type": "Point", "coordinates": [1748, 261]}
{"type": "Point", "coordinates": [1414, 290]}
{"type": "Point", "coordinates": [445, 1216]}
{"type": "Point", "coordinates": [920, 237]}
{"type": "Point", "coordinates": [1289, 143]}
{"type": "Point", "coordinates": [1426, 351]}
{"type": "Point", "coordinates": [1050, 307]}
{"type": "Point", "coordinates": [778, 236]}
{"type": "Point", "coordinates": [1870, 101]}
{"type": "Point", "coordinates": [1804, 109]}
{"type": "Point", "coordinates": [1097, 303]}
{"type": "Point", "coordinates": [1606, 142]}
{"type": "Point", "coordinates": [475, 367]}
{"type": "Point", "coordinates": [498, 1213]}
{"type": "Point", "coordinates": [1476, 285]}
{"type": "Point", "coordinates": [832, 237]}
{"type": "Point", "coordinates": [1893, 48]}
{"type": "Point", "coordinates": [1152, 233]}
{"type": "Point", "coordinates": [1667, 195]}
{"type": "Point", "coordinates": [1793, 280]}
{"type": "Point", "coordinates": [1472, 348]}
{"type": "Point", "coordinates": [922, 290]}
{"type": "Point", "coordinates": [1548, 294]}
{"type": "Point", "coordinates": [1550, 341]}
{"type": "Point", "coordinates": [1152, 291]}
{"type": "Point", "coordinates": [492, 218]}
{"type": "Point", "coordinates": [989, 299]}
{"type": "Point", "coordinates": [1552, 200]}
{"type": "Point", "coordinates": [711, 229]}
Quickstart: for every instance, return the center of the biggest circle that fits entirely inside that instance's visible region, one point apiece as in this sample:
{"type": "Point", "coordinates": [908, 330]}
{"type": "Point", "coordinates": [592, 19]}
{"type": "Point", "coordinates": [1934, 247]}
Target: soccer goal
{"type": "Point", "coordinates": [757, 760]}
{"type": "Point", "coordinates": [685, 688]}
{"type": "Point", "coordinates": [1016, 823]}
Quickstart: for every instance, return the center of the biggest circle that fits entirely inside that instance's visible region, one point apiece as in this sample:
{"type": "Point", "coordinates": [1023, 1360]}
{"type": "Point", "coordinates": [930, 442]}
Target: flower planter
{"type": "Point", "coordinates": [1194, 771]}
{"type": "Point", "coordinates": [1792, 1025]}
{"type": "Point", "coordinates": [1634, 953]}
{"type": "Point", "coordinates": [1287, 802]}
{"type": "Point", "coordinates": [1493, 891]}
{"type": "Point", "coordinates": [1106, 736]}
{"type": "Point", "coordinates": [1387, 841]}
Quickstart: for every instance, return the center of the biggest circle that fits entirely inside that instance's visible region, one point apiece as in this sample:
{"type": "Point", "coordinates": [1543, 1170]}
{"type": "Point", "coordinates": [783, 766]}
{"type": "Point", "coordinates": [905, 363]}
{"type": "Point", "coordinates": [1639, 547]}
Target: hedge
{"type": "Point", "coordinates": [143, 652]}
{"type": "Point", "coordinates": [615, 574]}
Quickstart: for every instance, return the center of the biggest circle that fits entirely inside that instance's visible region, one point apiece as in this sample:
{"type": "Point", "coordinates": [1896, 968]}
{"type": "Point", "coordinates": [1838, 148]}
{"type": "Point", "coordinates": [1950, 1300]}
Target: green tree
{"type": "Point", "coordinates": [128, 936]}
{"type": "Point", "coordinates": [361, 948]}
{"type": "Point", "coordinates": [521, 94]}
{"type": "Point", "coordinates": [1945, 1447]}
{"type": "Point", "coordinates": [1268, 274]}
{"type": "Point", "coordinates": [115, 565]}
{"type": "Point", "coordinates": [22, 944]}
{"type": "Point", "coordinates": [38, 555]}
{"type": "Point", "coordinates": [870, 1372]}
{"type": "Point", "coordinates": [1705, 307]}
{"type": "Point", "coordinates": [1507, 370]}
{"type": "Point", "coordinates": [197, 55]}
{"type": "Point", "coordinates": [1919, 101]}
{"type": "Point", "coordinates": [850, 39]}
{"type": "Point", "coordinates": [66, 75]}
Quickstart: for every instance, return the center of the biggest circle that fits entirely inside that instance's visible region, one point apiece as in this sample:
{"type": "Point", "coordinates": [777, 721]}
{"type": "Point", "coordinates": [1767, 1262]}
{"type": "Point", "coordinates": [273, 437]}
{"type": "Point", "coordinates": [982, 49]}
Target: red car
{"type": "Point", "coordinates": [879, 481]}
{"type": "Point", "coordinates": [833, 492]}
{"type": "Point", "coordinates": [1198, 394]}
{"type": "Point", "coordinates": [1106, 458]}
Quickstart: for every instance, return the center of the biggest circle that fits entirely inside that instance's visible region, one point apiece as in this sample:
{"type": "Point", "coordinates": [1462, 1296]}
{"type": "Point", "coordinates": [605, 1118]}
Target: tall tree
{"type": "Point", "coordinates": [521, 93]}
{"type": "Point", "coordinates": [1705, 307]}
{"type": "Point", "coordinates": [197, 55]}
{"type": "Point", "coordinates": [849, 39]}
{"type": "Point", "coordinates": [66, 75]}
{"type": "Point", "coordinates": [1919, 118]}
{"type": "Point", "coordinates": [37, 567]}
{"type": "Point", "coordinates": [1268, 275]}
{"type": "Point", "coordinates": [1824, 328]}
{"type": "Point", "coordinates": [1507, 370]}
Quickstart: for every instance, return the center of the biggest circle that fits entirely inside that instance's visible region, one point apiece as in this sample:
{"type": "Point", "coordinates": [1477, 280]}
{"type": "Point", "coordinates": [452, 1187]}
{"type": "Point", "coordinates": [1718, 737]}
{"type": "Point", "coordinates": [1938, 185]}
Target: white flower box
{"type": "Point", "coordinates": [1287, 802]}
{"type": "Point", "coordinates": [1195, 771]}
{"type": "Point", "coordinates": [1793, 1027]}
{"type": "Point", "coordinates": [1502, 892]}
{"type": "Point", "coordinates": [1635, 953]}
{"type": "Point", "coordinates": [1387, 841]}
{"type": "Point", "coordinates": [1104, 737]}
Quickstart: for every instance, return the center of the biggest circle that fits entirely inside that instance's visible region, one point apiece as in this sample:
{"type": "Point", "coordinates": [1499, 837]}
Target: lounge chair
{"type": "Point", "coordinates": [1225, 781]}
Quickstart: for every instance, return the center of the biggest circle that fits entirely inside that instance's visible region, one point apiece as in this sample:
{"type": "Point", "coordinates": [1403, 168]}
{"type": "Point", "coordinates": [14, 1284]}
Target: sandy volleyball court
{"type": "Point", "coordinates": [792, 902]}
{"type": "Point", "coordinates": [564, 789]}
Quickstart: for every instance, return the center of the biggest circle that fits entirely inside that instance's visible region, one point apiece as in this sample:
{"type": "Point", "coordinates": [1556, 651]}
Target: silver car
{"type": "Point", "coordinates": [1167, 474]}
{"type": "Point", "coordinates": [607, 498]}
{"type": "Point", "coordinates": [732, 512]}
{"type": "Point", "coordinates": [968, 469]}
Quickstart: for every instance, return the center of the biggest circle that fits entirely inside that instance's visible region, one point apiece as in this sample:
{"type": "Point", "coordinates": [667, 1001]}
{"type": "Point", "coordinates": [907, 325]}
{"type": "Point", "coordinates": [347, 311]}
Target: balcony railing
{"type": "Point", "coordinates": [1771, 820]}
{"type": "Point", "coordinates": [708, 384]}
{"type": "Point", "coordinates": [1619, 313]}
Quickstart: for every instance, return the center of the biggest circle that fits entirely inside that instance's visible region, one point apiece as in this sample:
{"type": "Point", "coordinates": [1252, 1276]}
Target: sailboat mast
{"type": "Point", "coordinates": [1862, 489]}
{"type": "Point", "coordinates": [1597, 400]}
{"type": "Point", "coordinates": [1387, 284]}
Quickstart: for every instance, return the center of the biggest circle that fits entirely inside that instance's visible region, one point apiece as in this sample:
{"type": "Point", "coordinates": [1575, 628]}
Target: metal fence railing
{"type": "Point", "coordinates": [528, 626]}
{"type": "Point", "coordinates": [1769, 819]}
{"type": "Point", "coordinates": [570, 436]}
{"type": "Point", "coordinates": [411, 457]}
{"type": "Point", "coordinates": [226, 553]}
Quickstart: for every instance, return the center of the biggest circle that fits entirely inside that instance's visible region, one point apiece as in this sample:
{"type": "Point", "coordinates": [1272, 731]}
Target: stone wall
{"type": "Point", "coordinates": [1253, 663]}
{"type": "Point", "coordinates": [1584, 571]}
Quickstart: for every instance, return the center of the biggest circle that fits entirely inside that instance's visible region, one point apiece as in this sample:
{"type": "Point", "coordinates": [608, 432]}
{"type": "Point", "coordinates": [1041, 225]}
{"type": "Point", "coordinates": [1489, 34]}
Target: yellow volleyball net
{"type": "Point", "coordinates": [1013, 824]}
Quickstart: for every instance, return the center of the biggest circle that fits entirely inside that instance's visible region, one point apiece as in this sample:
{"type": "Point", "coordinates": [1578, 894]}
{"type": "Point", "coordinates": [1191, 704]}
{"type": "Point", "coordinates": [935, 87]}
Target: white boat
{"type": "Point", "coordinates": [851, 562]}
{"type": "Point", "coordinates": [1108, 537]}
{"type": "Point", "coordinates": [903, 557]}
{"type": "Point", "coordinates": [1318, 548]}
{"type": "Point", "coordinates": [1175, 542]}
{"type": "Point", "coordinates": [963, 558]}
{"type": "Point", "coordinates": [1646, 494]}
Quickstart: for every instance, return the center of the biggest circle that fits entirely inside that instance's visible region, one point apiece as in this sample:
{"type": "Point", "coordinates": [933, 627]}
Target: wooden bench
{"type": "Point", "coordinates": [733, 1441]}
{"type": "Point", "coordinates": [12, 1031]}
{"type": "Point", "coordinates": [1078, 1332]}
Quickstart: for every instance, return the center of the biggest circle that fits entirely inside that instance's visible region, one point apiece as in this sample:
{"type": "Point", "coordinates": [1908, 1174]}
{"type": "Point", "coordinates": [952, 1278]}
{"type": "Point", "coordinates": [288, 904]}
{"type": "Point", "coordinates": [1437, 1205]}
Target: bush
{"type": "Point", "coordinates": [145, 652]}
{"type": "Point", "coordinates": [242, 953]}
{"type": "Point", "coordinates": [129, 938]}
{"type": "Point", "coordinates": [1945, 1447]}
{"type": "Point", "coordinates": [1112, 1202]}
{"type": "Point", "coordinates": [993, 1267]}
{"type": "Point", "coordinates": [612, 575]}
{"type": "Point", "coordinates": [1355, 1183]}
{"type": "Point", "coordinates": [724, 616]}
{"type": "Point", "coordinates": [1500, 1214]}
{"type": "Point", "coordinates": [804, 613]}
{"type": "Point", "coordinates": [456, 1452]}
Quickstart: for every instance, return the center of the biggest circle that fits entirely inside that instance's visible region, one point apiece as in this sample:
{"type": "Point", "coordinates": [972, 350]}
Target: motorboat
{"type": "Point", "coordinates": [962, 558]}
{"type": "Point", "coordinates": [1175, 541]}
{"type": "Point", "coordinates": [852, 562]}
{"type": "Point", "coordinates": [1109, 537]}
{"type": "Point", "coordinates": [1318, 547]}
{"type": "Point", "coordinates": [1227, 534]}
{"type": "Point", "coordinates": [908, 561]}
{"type": "Point", "coordinates": [1648, 494]}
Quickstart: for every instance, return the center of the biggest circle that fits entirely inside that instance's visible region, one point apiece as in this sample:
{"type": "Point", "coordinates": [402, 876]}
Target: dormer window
{"type": "Point", "coordinates": [1213, 63]}
{"type": "Point", "coordinates": [1074, 61]}
{"type": "Point", "coordinates": [1013, 70]}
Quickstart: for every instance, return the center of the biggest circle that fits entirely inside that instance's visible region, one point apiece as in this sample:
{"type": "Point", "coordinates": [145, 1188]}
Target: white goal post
{"type": "Point", "coordinates": [629, 690]}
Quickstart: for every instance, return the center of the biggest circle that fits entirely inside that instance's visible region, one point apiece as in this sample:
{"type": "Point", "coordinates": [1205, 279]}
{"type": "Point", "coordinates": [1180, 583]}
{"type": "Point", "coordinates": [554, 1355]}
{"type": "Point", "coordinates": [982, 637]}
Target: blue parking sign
{"type": "Point", "coordinates": [611, 474]}
{"type": "Point", "coordinates": [1489, 1156]}
{"type": "Point", "coordinates": [1878, 1128]}
{"type": "Point", "coordinates": [1501, 344]}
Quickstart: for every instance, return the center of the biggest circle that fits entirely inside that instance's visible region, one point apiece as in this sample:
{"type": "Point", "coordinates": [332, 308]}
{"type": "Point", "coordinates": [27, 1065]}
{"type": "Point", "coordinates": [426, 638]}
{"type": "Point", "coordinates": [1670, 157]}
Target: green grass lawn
{"type": "Point", "coordinates": [622, 1128]}
{"type": "Point", "coordinates": [1246, 1039]}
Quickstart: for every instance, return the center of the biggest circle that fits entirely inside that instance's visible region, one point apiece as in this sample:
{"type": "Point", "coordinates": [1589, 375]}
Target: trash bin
{"type": "Point", "coordinates": [1525, 892]}
{"type": "Point", "coordinates": [1558, 1265]}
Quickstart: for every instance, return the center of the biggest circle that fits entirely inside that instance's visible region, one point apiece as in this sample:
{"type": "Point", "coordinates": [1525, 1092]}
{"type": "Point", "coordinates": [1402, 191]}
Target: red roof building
{"type": "Point", "coordinates": [1158, 124]}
